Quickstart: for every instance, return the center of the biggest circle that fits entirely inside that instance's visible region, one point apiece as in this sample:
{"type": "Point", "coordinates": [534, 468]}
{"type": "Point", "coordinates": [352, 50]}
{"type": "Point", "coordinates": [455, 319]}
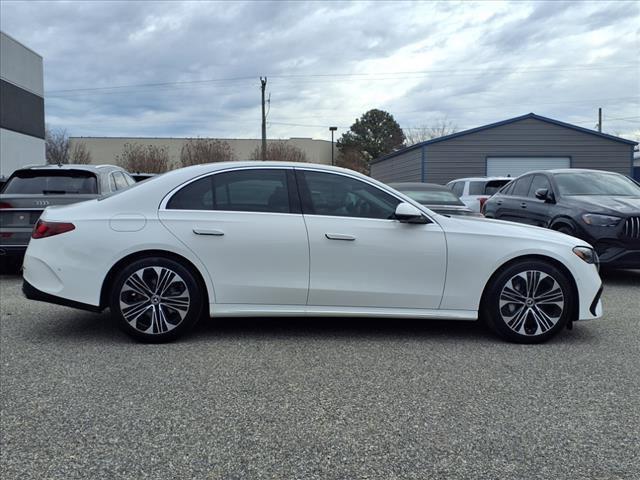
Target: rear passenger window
{"type": "Point", "coordinates": [259, 190]}
{"type": "Point", "coordinates": [521, 188]}
{"type": "Point", "coordinates": [120, 181]}
{"type": "Point", "coordinates": [508, 189]}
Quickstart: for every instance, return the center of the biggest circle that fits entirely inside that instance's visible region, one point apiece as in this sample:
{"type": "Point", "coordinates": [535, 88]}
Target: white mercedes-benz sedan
{"type": "Point", "coordinates": [275, 239]}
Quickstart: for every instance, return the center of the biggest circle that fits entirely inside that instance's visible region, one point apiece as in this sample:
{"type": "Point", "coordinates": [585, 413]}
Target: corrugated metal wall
{"type": "Point", "coordinates": [406, 167]}
{"type": "Point", "coordinates": [466, 155]}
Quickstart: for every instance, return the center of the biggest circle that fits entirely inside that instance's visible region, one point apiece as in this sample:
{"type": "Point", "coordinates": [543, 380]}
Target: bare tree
{"type": "Point", "coordinates": [56, 146]}
{"type": "Point", "coordinates": [144, 158]}
{"type": "Point", "coordinates": [441, 128]}
{"type": "Point", "coordinates": [280, 151]}
{"type": "Point", "coordinates": [205, 150]}
{"type": "Point", "coordinates": [80, 154]}
{"type": "Point", "coordinates": [353, 160]}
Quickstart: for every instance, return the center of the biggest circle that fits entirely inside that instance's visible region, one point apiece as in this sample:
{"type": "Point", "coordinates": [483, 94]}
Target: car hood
{"type": "Point", "coordinates": [605, 203]}
{"type": "Point", "coordinates": [502, 229]}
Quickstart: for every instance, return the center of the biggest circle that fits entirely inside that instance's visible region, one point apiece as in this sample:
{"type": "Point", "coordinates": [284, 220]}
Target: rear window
{"type": "Point", "coordinates": [486, 187]}
{"type": "Point", "coordinates": [52, 182]}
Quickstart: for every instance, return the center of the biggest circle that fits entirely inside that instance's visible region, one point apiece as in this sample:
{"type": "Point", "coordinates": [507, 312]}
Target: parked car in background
{"type": "Point", "coordinates": [30, 190]}
{"type": "Point", "coordinates": [602, 208]}
{"type": "Point", "coordinates": [437, 198]}
{"type": "Point", "coordinates": [297, 239]}
{"type": "Point", "coordinates": [474, 191]}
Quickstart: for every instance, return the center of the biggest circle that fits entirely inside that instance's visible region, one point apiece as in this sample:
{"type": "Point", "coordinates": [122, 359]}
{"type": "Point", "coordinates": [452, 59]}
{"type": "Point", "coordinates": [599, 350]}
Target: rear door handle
{"type": "Point", "coordinates": [499, 202]}
{"type": "Point", "coordinates": [340, 236]}
{"type": "Point", "coordinates": [208, 231]}
{"type": "Point", "coordinates": [523, 205]}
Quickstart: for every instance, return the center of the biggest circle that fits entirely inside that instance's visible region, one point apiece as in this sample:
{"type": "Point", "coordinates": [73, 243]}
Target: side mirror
{"type": "Point", "coordinates": [407, 213]}
{"type": "Point", "coordinates": [543, 194]}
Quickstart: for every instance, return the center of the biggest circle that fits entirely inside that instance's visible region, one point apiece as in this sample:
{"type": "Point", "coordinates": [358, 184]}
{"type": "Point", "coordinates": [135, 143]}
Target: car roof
{"type": "Point", "coordinates": [72, 166]}
{"type": "Point", "coordinates": [479, 179]}
{"type": "Point", "coordinates": [420, 185]}
{"type": "Point", "coordinates": [568, 170]}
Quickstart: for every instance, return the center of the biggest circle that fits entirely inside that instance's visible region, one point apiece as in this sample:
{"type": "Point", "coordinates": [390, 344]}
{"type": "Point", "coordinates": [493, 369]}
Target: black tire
{"type": "Point", "coordinates": [567, 230]}
{"type": "Point", "coordinates": [518, 314]}
{"type": "Point", "coordinates": [156, 299]}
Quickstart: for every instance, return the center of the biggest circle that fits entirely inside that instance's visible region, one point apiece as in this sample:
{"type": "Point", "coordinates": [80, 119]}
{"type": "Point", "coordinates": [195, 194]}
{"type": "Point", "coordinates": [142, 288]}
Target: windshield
{"type": "Point", "coordinates": [52, 183]}
{"type": "Point", "coordinates": [433, 197]}
{"type": "Point", "coordinates": [595, 183]}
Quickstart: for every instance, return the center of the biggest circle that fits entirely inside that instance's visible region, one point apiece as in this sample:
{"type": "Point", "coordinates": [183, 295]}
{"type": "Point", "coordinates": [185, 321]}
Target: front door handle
{"type": "Point", "coordinates": [208, 231]}
{"type": "Point", "coordinates": [340, 236]}
{"type": "Point", "coordinates": [523, 205]}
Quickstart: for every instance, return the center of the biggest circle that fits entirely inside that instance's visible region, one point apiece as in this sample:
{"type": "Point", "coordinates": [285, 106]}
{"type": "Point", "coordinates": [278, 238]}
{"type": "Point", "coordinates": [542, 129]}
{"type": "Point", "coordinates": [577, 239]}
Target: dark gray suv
{"type": "Point", "coordinates": [602, 208]}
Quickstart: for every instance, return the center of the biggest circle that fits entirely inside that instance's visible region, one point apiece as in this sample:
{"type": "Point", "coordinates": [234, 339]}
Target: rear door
{"type": "Point", "coordinates": [246, 226]}
{"type": "Point", "coordinates": [514, 206]}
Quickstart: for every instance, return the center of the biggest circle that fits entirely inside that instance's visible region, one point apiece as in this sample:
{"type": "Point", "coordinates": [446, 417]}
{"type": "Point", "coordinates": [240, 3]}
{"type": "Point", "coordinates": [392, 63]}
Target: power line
{"type": "Point", "coordinates": [365, 76]}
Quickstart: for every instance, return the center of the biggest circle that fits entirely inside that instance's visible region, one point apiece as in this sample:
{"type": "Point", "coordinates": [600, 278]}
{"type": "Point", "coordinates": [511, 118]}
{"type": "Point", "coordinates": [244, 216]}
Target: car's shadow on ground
{"type": "Point", "coordinates": [100, 328]}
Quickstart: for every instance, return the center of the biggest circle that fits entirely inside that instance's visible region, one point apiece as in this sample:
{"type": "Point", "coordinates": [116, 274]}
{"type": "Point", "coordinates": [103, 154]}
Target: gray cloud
{"type": "Point", "coordinates": [487, 62]}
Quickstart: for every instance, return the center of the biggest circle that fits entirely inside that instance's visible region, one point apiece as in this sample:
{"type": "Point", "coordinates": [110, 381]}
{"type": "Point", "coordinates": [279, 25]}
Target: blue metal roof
{"type": "Point", "coordinates": [506, 122]}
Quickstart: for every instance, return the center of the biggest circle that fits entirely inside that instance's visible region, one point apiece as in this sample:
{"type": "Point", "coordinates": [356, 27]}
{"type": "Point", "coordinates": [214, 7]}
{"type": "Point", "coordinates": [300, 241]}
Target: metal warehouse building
{"type": "Point", "coordinates": [511, 147]}
{"type": "Point", "coordinates": [21, 106]}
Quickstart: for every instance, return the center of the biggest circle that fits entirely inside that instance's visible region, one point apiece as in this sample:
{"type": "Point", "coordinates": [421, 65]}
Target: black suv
{"type": "Point", "coordinates": [602, 208]}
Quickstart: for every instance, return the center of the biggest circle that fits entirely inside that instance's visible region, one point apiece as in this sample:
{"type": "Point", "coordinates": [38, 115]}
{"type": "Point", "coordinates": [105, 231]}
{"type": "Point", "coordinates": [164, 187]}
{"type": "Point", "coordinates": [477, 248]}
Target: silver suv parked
{"type": "Point", "coordinates": [28, 191]}
{"type": "Point", "coordinates": [474, 191]}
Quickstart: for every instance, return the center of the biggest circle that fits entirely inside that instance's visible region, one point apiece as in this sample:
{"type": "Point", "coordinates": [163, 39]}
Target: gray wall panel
{"type": "Point", "coordinates": [466, 155]}
{"type": "Point", "coordinates": [403, 168]}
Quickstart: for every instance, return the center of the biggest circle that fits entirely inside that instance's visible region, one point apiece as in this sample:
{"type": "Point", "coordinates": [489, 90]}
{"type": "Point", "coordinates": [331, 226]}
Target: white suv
{"type": "Point", "coordinates": [474, 191]}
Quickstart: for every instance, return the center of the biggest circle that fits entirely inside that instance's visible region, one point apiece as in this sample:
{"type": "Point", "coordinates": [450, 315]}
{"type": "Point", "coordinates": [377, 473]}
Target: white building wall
{"type": "Point", "coordinates": [21, 65]}
{"type": "Point", "coordinates": [18, 150]}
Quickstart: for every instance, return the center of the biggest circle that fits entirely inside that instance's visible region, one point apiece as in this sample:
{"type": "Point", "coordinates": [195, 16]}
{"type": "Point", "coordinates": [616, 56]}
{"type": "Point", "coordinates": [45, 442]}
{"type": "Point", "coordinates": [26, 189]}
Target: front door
{"type": "Point", "coordinates": [360, 255]}
{"type": "Point", "coordinates": [246, 227]}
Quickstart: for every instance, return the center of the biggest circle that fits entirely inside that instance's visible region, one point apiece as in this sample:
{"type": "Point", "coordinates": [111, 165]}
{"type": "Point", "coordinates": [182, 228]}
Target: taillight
{"type": "Point", "coordinates": [5, 205]}
{"type": "Point", "coordinates": [482, 200]}
{"type": "Point", "coordinates": [45, 229]}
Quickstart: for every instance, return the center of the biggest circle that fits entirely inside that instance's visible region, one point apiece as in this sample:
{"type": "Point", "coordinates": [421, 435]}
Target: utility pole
{"type": "Point", "coordinates": [263, 83]}
{"type": "Point", "coordinates": [600, 119]}
{"type": "Point", "coordinates": [332, 129]}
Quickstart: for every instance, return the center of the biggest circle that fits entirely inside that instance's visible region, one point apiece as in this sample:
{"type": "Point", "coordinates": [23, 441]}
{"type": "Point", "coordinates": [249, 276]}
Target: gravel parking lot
{"type": "Point", "coordinates": [329, 399]}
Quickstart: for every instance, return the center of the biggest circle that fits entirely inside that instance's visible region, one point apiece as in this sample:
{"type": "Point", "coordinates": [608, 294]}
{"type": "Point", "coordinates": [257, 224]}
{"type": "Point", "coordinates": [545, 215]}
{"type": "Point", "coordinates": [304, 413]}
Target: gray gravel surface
{"type": "Point", "coordinates": [326, 399]}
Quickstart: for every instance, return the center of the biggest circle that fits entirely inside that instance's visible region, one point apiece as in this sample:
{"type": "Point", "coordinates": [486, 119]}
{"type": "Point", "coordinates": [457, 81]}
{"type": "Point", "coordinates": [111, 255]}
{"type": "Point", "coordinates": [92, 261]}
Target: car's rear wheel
{"type": "Point", "coordinates": [155, 299]}
{"type": "Point", "coordinates": [528, 302]}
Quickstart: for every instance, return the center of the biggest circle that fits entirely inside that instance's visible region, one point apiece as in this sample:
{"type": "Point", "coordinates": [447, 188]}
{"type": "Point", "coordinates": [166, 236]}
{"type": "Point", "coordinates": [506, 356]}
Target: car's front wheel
{"type": "Point", "coordinates": [528, 302]}
{"type": "Point", "coordinates": [155, 299]}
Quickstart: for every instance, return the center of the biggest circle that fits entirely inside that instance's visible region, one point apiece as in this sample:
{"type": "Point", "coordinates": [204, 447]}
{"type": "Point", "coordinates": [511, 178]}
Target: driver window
{"type": "Point", "coordinates": [337, 195]}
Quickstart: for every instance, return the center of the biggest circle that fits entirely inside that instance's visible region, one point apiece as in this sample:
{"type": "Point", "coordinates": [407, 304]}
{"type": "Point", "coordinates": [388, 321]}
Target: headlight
{"type": "Point", "coordinates": [600, 220]}
{"type": "Point", "coordinates": [587, 254]}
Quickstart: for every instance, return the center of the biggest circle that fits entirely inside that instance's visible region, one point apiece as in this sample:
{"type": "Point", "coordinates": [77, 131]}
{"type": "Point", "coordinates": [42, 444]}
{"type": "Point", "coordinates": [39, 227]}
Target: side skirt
{"type": "Point", "coordinates": [243, 310]}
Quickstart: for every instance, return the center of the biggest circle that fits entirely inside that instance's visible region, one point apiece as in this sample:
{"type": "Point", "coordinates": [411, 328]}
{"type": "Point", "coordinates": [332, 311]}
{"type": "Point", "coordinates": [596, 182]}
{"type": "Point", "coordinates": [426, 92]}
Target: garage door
{"type": "Point", "coordinates": [515, 166]}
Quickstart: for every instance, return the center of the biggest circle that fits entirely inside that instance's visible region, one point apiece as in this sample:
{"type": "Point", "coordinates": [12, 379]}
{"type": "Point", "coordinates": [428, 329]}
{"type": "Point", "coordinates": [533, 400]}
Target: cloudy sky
{"type": "Point", "coordinates": [192, 68]}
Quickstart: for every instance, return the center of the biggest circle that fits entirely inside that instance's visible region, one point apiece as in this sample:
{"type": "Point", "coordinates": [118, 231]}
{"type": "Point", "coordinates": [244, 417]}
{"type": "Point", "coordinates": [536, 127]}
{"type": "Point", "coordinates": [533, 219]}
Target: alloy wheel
{"type": "Point", "coordinates": [154, 300]}
{"type": "Point", "coordinates": [531, 303]}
